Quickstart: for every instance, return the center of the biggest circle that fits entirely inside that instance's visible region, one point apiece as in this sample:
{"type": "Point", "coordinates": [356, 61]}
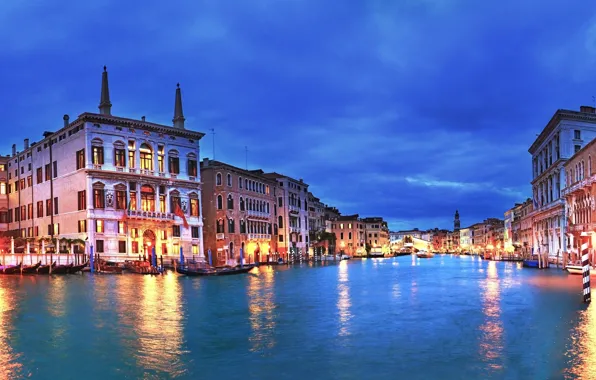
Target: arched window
{"type": "Point", "coordinates": [218, 179]}
{"type": "Point", "coordinates": [147, 198]}
{"type": "Point", "coordinates": [173, 162]}
{"type": "Point", "coordinates": [219, 225]}
{"type": "Point", "coordinates": [229, 178]}
{"type": "Point", "coordinates": [268, 208]}
{"type": "Point", "coordinates": [219, 202]}
{"type": "Point", "coordinates": [230, 202]}
{"type": "Point", "coordinates": [589, 165]}
{"type": "Point", "coordinates": [241, 204]}
{"type": "Point", "coordinates": [240, 182]}
{"type": "Point", "coordinates": [97, 151]}
{"type": "Point", "coordinates": [280, 222]}
{"type": "Point", "coordinates": [231, 227]}
{"type": "Point", "coordinates": [146, 156]}
{"type": "Point", "coordinates": [242, 226]}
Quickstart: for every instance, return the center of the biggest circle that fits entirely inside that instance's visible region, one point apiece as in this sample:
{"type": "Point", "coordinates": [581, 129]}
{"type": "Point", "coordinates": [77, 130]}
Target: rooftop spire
{"type": "Point", "coordinates": [105, 107]}
{"type": "Point", "coordinates": [178, 115]}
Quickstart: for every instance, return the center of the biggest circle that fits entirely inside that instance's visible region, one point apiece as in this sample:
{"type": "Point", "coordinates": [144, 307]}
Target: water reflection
{"type": "Point", "coordinates": [57, 309]}
{"type": "Point", "coordinates": [491, 340]}
{"type": "Point", "coordinates": [343, 302]}
{"type": "Point", "coordinates": [159, 325]}
{"type": "Point", "coordinates": [261, 306]}
{"type": "Point", "coordinates": [10, 368]}
{"type": "Point", "coordinates": [151, 306]}
{"type": "Point", "coordinates": [582, 354]}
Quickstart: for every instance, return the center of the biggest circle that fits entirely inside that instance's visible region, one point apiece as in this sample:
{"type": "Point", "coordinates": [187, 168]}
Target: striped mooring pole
{"type": "Point", "coordinates": [585, 240]}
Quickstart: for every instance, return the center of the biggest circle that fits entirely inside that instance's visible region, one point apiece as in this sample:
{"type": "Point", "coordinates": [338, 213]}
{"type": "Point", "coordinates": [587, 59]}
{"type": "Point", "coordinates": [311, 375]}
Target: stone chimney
{"type": "Point", "coordinates": [142, 118]}
{"type": "Point", "coordinates": [205, 162]}
{"type": "Point", "coordinates": [66, 119]}
{"type": "Point", "coordinates": [26, 146]}
{"type": "Point", "coordinates": [587, 109]}
{"type": "Point", "coordinates": [14, 150]}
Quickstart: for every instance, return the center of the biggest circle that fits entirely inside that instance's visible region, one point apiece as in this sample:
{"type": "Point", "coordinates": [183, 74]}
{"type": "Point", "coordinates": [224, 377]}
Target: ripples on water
{"type": "Point", "coordinates": [448, 317]}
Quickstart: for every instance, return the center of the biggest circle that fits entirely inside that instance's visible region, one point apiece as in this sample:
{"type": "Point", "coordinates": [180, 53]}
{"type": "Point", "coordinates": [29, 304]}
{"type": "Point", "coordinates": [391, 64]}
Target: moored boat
{"type": "Point", "coordinates": [140, 267]}
{"type": "Point", "coordinates": [28, 269]}
{"type": "Point", "coordinates": [531, 264]}
{"type": "Point", "coordinates": [225, 271]}
{"type": "Point", "coordinates": [12, 269]}
{"type": "Point", "coordinates": [574, 269]}
{"type": "Point", "coordinates": [76, 268]}
{"type": "Point", "coordinates": [62, 269]}
{"type": "Point", "coordinates": [45, 269]}
{"type": "Point", "coordinates": [425, 255]}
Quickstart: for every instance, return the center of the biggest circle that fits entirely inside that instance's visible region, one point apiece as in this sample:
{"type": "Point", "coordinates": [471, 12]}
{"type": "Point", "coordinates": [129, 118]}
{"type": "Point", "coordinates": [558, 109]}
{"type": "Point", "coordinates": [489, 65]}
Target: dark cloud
{"type": "Point", "coordinates": [405, 109]}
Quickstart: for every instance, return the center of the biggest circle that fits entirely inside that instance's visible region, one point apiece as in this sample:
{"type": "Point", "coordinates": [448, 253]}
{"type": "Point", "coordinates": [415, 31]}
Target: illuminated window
{"type": "Point", "coordinates": [160, 158]}
{"type": "Point", "coordinates": [99, 226]}
{"type": "Point", "coordinates": [146, 157]}
{"type": "Point", "coordinates": [147, 198]}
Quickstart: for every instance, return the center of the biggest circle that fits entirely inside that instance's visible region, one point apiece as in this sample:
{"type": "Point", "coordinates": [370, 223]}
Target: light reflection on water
{"type": "Point", "coordinates": [467, 319]}
{"type": "Point", "coordinates": [9, 361]}
{"type": "Point", "coordinates": [582, 351]}
{"type": "Point", "coordinates": [491, 344]}
{"type": "Point", "coordinates": [261, 306]}
{"type": "Point", "coordinates": [343, 301]}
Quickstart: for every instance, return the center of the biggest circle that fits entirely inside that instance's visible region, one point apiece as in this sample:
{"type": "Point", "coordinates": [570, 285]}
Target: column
{"type": "Point", "coordinates": [157, 195]}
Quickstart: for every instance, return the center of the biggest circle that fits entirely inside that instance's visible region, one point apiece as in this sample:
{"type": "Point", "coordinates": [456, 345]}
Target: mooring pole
{"type": "Point", "coordinates": [585, 240]}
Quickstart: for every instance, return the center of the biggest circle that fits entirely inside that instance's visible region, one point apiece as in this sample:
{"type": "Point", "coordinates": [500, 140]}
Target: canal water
{"type": "Point", "coordinates": [444, 318]}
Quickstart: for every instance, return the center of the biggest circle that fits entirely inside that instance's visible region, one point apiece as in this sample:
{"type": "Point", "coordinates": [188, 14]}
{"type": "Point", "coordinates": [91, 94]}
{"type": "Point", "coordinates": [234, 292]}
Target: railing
{"type": "Point", "coordinates": [150, 214]}
{"type": "Point", "coordinates": [141, 171]}
{"type": "Point", "coordinates": [258, 214]}
{"type": "Point", "coordinates": [295, 209]}
{"type": "Point", "coordinates": [294, 229]}
{"type": "Point", "coordinates": [577, 186]}
{"type": "Point", "coordinates": [259, 236]}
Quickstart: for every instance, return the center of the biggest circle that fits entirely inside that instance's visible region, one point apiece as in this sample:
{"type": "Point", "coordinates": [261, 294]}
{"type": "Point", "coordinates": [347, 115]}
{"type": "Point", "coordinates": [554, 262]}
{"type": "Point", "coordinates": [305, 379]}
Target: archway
{"type": "Point", "coordinates": [148, 242]}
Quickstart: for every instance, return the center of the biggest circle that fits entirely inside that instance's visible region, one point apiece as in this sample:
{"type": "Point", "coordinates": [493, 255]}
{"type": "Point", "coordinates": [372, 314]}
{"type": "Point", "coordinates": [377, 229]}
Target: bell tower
{"type": "Point", "coordinates": [456, 223]}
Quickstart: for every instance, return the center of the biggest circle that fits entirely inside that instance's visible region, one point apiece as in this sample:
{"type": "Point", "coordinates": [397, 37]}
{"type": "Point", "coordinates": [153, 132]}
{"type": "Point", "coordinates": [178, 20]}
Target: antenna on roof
{"type": "Point", "coordinates": [246, 156]}
{"type": "Point", "coordinates": [594, 100]}
{"type": "Point", "coordinates": [213, 134]}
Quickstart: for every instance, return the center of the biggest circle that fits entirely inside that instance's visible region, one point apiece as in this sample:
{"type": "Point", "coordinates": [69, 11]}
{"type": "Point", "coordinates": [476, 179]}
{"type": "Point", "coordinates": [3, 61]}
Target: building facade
{"type": "Point", "coordinates": [377, 233]}
{"type": "Point", "coordinates": [350, 234]}
{"type": "Point", "coordinates": [240, 212]}
{"type": "Point", "coordinates": [124, 186]}
{"type": "Point", "coordinates": [316, 214]}
{"type": "Point", "coordinates": [292, 208]}
{"type": "Point", "coordinates": [580, 196]}
{"type": "Point", "coordinates": [465, 239]}
{"type": "Point", "coordinates": [564, 135]}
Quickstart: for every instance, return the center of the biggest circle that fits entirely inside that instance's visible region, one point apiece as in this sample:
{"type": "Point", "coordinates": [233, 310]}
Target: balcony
{"type": "Point", "coordinates": [138, 214]}
{"type": "Point", "coordinates": [579, 185]}
{"type": "Point", "coordinates": [294, 209]}
{"type": "Point", "coordinates": [259, 237]}
{"type": "Point", "coordinates": [258, 214]}
{"type": "Point", "coordinates": [220, 236]}
{"type": "Point", "coordinates": [294, 229]}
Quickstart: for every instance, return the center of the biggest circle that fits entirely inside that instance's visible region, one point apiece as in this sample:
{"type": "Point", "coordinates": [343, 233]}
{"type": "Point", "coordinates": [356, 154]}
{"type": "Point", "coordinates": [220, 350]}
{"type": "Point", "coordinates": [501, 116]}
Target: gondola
{"type": "Point", "coordinates": [29, 269]}
{"type": "Point", "coordinates": [45, 269]}
{"type": "Point", "coordinates": [214, 271]}
{"type": "Point", "coordinates": [13, 269]}
{"type": "Point", "coordinates": [76, 268]}
{"type": "Point", "coordinates": [531, 264]}
{"type": "Point", "coordinates": [62, 269]}
{"type": "Point", "coordinates": [140, 267]}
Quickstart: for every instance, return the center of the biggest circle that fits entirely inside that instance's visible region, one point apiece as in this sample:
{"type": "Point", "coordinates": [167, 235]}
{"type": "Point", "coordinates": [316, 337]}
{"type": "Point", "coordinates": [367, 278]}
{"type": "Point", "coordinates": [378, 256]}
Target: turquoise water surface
{"type": "Point", "coordinates": [444, 318]}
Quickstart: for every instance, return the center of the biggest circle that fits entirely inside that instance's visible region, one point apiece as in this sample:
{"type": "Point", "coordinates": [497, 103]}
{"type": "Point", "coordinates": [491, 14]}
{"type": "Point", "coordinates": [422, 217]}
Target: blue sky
{"type": "Point", "coordinates": [407, 109]}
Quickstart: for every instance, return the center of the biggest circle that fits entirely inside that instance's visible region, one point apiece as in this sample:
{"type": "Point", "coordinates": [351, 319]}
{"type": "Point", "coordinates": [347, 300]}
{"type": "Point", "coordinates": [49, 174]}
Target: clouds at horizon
{"type": "Point", "coordinates": [405, 109]}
